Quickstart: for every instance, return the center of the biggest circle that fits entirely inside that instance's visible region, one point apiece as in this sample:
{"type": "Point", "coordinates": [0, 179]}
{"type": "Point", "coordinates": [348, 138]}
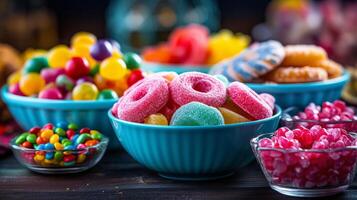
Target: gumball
{"type": "Point", "coordinates": [65, 82]}
{"type": "Point", "coordinates": [14, 78]}
{"type": "Point", "coordinates": [58, 56]}
{"type": "Point", "coordinates": [50, 74]}
{"type": "Point", "coordinates": [132, 60]}
{"type": "Point", "coordinates": [101, 50]}
{"type": "Point", "coordinates": [107, 94]}
{"type": "Point", "coordinates": [135, 76]}
{"type": "Point", "coordinates": [83, 38]}
{"type": "Point", "coordinates": [35, 65]}
{"type": "Point", "coordinates": [84, 79]}
{"type": "Point", "coordinates": [113, 69]}
{"type": "Point", "coordinates": [85, 91]}
{"type": "Point", "coordinates": [77, 67]}
{"type": "Point", "coordinates": [15, 89]}
{"type": "Point", "coordinates": [31, 84]}
{"type": "Point", "coordinates": [82, 50]}
{"type": "Point", "coordinates": [50, 93]}
{"type": "Point", "coordinates": [156, 119]}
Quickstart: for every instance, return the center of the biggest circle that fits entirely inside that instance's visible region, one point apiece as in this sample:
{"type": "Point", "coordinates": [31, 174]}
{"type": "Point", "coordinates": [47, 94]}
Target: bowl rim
{"type": "Point", "coordinates": [254, 144]}
{"type": "Point", "coordinates": [104, 142]}
{"type": "Point", "coordinates": [335, 81]}
{"type": "Point", "coordinates": [58, 104]}
{"type": "Point", "coordinates": [277, 114]}
{"type": "Point", "coordinates": [184, 66]}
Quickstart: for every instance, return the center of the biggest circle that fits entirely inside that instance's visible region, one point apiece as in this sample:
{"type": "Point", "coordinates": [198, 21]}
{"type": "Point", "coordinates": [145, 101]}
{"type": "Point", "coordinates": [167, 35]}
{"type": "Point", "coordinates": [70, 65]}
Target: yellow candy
{"type": "Point", "coordinates": [38, 158]}
{"type": "Point", "coordinates": [54, 139]}
{"type": "Point", "coordinates": [30, 53]}
{"type": "Point", "coordinates": [58, 146]}
{"type": "Point", "coordinates": [83, 50]}
{"type": "Point", "coordinates": [113, 69]}
{"type": "Point", "coordinates": [93, 132]}
{"type": "Point", "coordinates": [231, 117]}
{"type": "Point", "coordinates": [85, 91]}
{"type": "Point", "coordinates": [83, 38]}
{"type": "Point", "coordinates": [49, 161]}
{"type": "Point", "coordinates": [81, 158]}
{"type": "Point", "coordinates": [31, 84]}
{"type": "Point", "coordinates": [14, 78]}
{"type": "Point", "coordinates": [117, 54]}
{"type": "Point", "coordinates": [157, 119]}
{"type": "Point", "coordinates": [58, 56]}
{"type": "Point", "coordinates": [47, 134]}
{"type": "Point", "coordinates": [66, 153]}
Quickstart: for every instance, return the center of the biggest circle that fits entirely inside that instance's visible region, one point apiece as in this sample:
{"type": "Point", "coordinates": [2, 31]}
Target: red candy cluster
{"type": "Point", "coordinates": [328, 114]}
{"type": "Point", "coordinates": [308, 158]}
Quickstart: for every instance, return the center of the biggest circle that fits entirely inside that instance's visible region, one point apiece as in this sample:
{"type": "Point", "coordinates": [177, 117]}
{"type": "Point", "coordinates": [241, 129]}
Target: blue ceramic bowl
{"type": "Point", "coordinates": [301, 94]}
{"type": "Point", "coordinates": [30, 112]}
{"type": "Point", "coordinates": [158, 67]}
{"type": "Point", "coordinates": [192, 152]}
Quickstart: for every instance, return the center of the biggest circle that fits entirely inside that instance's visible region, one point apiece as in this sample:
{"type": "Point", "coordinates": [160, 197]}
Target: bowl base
{"type": "Point", "coordinates": [296, 192]}
{"type": "Point", "coordinates": [58, 170]}
{"type": "Point", "coordinates": [192, 177]}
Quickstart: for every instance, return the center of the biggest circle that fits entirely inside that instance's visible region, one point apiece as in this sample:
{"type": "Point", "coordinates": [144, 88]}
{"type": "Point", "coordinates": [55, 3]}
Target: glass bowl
{"type": "Point", "coordinates": [83, 158]}
{"type": "Point", "coordinates": [306, 173]}
{"type": "Point", "coordinates": [289, 121]}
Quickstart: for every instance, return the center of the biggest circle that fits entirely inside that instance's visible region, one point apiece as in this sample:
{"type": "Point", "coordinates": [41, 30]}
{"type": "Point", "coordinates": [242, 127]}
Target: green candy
{"type": "Point", "coordinates": [64, 81]}
{"type": "Point", "coordinates": [60, 132]}
{"type": "Point", "coordinates": [58, 155]}
{"type": "Point", "coordinates": [64, 140]}
{"type": "Point", "coordinates": [97, 136]}
{"type": "Point", "coordinates": [31, 138]}
{"type": "Point", "coordinates": [94, 70]}
{"type": "Point", "coordinates": [107, 94]}
{"type": "Point", "coordinates": [73, 126]}
{"type": "Point", "coordinates": [21, 138]}
{"type": "Point", "coordinates": [83, 137]}
{"type": "Point", "coordinates": [132, 60]}
{"type": "Point", "coordinates": [67, 143]}
{"type": "Point", "coordinates": [35, 65]}
{"type": "Point", "coordinates": [67, 164]}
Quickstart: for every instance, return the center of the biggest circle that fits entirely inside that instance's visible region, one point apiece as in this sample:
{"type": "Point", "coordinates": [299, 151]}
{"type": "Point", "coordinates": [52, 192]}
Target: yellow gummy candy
{"type": "Point", "coordinates": [156, 119]}
{"type": "Point", "coordinates": [113, 69]}
{"type": "Point", "coordinates": [231, 117]}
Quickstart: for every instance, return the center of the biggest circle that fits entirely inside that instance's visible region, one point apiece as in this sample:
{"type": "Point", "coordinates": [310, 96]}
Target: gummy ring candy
{"type": "Point", "coordinates": [303, 55]}
{"type": "Point", "coordinates": [256, 60]}
{"type": "Point", "coordinates": [332, 68]}
{"type": "Point", "coordinates": [143, 100]}
{"type": "Point", "coordinates": [249, 101]}
{"type": "Point", "coordinates": [196, 86]}
{"type": "Point", "coordinates": [297, 75]}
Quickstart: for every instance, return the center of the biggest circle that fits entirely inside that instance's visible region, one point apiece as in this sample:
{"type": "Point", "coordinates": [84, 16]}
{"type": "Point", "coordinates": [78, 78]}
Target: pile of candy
{"type": "Point", "coordinates": [191, 99]}
{"type": "Point", "coordinates": [89, 69]}
{"type": "Point", "coordinates": [308, 158]}
{"type": "Point", "coordinates": [271, 62]}
{"type": "Point", "coordinates": [63, 145]}
{"type": "Point", "coordinates": [192, 45]}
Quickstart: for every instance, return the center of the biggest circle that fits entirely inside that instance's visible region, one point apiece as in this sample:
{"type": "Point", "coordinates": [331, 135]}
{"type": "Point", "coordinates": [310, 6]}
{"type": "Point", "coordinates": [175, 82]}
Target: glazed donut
{"type": "Point", "coordinates": [297, 75]}
{"type": "Point", "coordinates": [303, 55]}
{"type": "Point", "coordinates": [257, 60]}
{"type": "Point", "coordinates": [249, 101]}
{"type": "Point", "coordinates": [200, 87]}
{"type": "Point", "coordinates": [144, 99]}
{"type": "Point", "coordinates": [332, 68]}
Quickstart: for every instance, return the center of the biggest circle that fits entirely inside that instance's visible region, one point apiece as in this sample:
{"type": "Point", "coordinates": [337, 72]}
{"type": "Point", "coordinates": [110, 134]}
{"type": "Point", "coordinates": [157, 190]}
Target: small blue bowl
{"type": "Point", "coordinates": [30, 112]}
{"type": "Point", "coordinates": [158, 67]}
{"type": "Point", "coordinates": [192, 152]}
{"type": "Point", "coordinates": [301, 94]}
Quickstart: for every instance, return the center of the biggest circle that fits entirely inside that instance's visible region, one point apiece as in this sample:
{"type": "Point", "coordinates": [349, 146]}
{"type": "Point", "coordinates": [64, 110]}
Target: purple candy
{"type": "Point", "coordinates": [50, 74]}
{"type": "Point", "coordinates": [84, 79]}
{"type": "Point", "coordinates": [101, 50]}
{"type": "Point", "coordinates": [15, 89]}
{"type": "Point", "coordinates": [50, 93]}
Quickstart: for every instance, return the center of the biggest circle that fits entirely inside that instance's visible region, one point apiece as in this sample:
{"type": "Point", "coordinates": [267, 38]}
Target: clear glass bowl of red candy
{"type": "Point", "coordinates": [329, 115]}
{"type": "Point", "coordinates": [307, 162]}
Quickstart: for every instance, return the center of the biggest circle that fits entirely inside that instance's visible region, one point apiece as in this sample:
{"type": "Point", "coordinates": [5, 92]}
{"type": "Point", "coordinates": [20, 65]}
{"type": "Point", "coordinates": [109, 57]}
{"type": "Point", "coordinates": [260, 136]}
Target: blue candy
{"type": "Point", "coordinates": [49, 146]}
{"type": "Point", "coordinates": [49, 155]}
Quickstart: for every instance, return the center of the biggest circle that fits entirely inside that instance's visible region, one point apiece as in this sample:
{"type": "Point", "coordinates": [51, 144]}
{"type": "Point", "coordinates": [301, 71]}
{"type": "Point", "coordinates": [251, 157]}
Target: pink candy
{"type": "Point", "coordinates": [249, 101]}
{"type": "Point", "coordinates": [50, 74]}
{"type": "Point", "coordinates": [143, 99]}
{"type": "Point", "coordinates": [15, 89]}
{"type": "Point", "coordinates": [196, 86]}
{"type": "Point", "coordinates": [269, 99]}
{"type": "Point", "coordinates": [50, 93]}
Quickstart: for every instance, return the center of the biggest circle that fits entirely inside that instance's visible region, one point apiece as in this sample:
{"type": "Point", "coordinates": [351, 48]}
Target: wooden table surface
{"type": "Point", "coordinates": [118, 176]}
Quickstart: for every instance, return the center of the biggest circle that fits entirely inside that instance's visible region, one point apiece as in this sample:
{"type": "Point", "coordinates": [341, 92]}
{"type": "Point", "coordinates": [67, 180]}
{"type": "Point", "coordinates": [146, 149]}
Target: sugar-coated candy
{"type": "Point", "coordinates": [269, 99]}
{"type": "Point", "coordinates": [169, 76]}
{"type": "Point", "coordinates": [31, 84]}
{"type": "Point", "coordinates": [15, 89]}
{"type": "Point", "coordinates": [113, 69]}
{"type": "Point", "coordinates": [107, 94]}
{"type": "Point", "coordinates": [65, 82]}
{"type": "Point", "coordinates": [196, 86]}
{"type": "Point", "coordinates": [77, 67]}
{"type": "Point", "coordinates": [50, 93]}
{"type": "Point", "coordinates": [143, 100]}
{"type": "Point", "coordinates": [231, 117]}
{"type": "Point", "coordinates": [35, 65]}
{"type": "Point", "coordinates": [101, 50]}
{"type": "Point", "coordinates": [132, 60]}
{"type": "Point", "coordinates": [169, 109]}
{"type": "Point", "coordinates": [135, 76]}
{"type": "Point", "coordinates": [156, 119]}
{"type": "Point", "coordinates": [58, 56]}
{"type": "Point", "coordinates": [50, 74]}
{"type": "Point", "coordinates": [222, 78]}
{"type": "Point", "coordinates": [197, 114]}
{"type": "Point", "coordinates": [85, 91]}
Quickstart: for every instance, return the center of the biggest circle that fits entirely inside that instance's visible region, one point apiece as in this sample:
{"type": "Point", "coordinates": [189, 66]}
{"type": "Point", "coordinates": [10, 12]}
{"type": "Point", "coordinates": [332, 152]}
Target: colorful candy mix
{"type": "Point", "coordinates": [63, 145]}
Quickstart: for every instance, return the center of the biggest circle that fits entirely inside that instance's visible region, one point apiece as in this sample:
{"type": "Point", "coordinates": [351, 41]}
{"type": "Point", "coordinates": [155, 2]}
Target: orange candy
{"type": "Point", "coordinates": [160, 54]}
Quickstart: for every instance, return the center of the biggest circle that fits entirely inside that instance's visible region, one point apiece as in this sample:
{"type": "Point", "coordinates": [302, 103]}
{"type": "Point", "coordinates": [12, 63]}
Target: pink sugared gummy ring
{"type": "Point", "coordinates": [249, 101]}
{"type": "Point", "coordinates": [145, 99]}
{"type": "Point", "coordinates": [196, 86]}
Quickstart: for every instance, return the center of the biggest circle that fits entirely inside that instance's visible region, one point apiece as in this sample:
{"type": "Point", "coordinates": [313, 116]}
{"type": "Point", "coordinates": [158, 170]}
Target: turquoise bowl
{"type": "Point", "coordinates": [30, 112]}
{"type": "Point", "coordinates": [158, 67]}
{"type": "Point", "coordinates": [192, 152]}
{"type": "Point", "coordinates": [301, 94]}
